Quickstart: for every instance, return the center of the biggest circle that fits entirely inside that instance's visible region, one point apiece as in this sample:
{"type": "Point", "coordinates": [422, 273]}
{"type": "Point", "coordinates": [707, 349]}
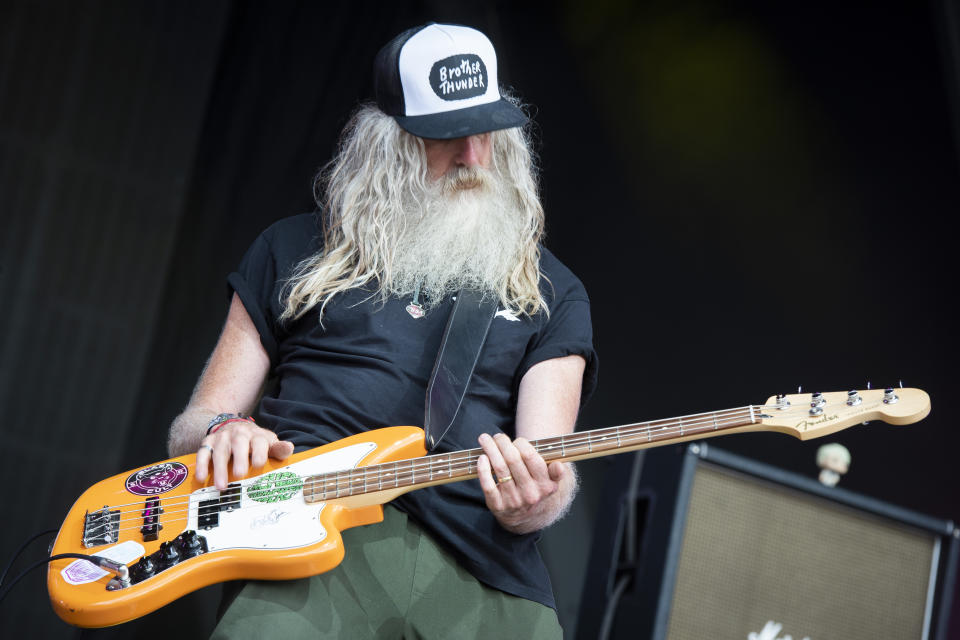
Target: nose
{"type": "Point", "coordinates": [473, 151]}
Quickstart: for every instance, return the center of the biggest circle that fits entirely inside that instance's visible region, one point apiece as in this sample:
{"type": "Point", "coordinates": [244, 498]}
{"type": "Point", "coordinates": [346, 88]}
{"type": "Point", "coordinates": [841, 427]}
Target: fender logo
{"type": "Point", "coordinates": [803, 425]}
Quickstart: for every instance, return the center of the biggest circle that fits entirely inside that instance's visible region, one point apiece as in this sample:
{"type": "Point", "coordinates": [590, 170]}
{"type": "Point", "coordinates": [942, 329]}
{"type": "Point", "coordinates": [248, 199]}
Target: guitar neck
{"type": "Point", "coordinates": [406, 475]}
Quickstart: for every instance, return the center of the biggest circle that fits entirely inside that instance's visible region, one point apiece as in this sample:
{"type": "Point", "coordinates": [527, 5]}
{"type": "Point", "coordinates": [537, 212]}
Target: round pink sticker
{"type": "Point", "coordinates": [159, 478]}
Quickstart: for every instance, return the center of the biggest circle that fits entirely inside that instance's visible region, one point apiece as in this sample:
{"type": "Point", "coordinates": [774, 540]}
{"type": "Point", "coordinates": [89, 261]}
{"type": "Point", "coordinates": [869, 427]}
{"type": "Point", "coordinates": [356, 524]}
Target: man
{"type": "Point", "coordinates": [432, 192]}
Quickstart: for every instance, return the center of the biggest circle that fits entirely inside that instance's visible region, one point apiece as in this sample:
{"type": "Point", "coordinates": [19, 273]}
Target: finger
{"type": "Point", "coordinates": [495, 456]}
{"type": "Point", "coordinates": [536, 465]}
{"type": "Point", "coordinates": [488, 484]}
{"type": "Point", "coordinates": [202, 464]}
{"type": "Point", "coordinates": [531, 488]}
{"type": "Point", "coordinates": [558, 470]}
{"type": "Point", "coordinates": [220, 456]}
{"type": "Point", "coordinates": [259, 449]}
{"type": "Point", "coordinates": [516, 467]}
{"type": "Point", "coordinates": [280, 449]}
{"type": "Point", "coordinates": [240, 447]}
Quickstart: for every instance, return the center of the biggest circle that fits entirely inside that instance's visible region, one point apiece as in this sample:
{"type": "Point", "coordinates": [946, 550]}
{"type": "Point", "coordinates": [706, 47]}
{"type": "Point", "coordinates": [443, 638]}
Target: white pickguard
{"type": "Point", "coordinates": [285, 524]}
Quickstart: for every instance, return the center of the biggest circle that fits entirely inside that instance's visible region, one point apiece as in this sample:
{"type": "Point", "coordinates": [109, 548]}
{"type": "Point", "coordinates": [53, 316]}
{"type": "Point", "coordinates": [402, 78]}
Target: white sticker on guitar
{"type": "Point", "coordinates": [84, 571]}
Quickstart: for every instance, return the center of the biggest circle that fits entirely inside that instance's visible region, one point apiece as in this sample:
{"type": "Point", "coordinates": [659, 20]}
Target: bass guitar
{"type": "Point", "coordinates": [156, 533]}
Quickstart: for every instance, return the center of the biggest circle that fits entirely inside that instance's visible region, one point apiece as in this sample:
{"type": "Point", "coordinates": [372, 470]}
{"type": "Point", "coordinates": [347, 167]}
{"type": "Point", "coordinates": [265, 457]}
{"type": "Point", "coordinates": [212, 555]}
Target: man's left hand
{"type": "Point", "coordinates": [523, 492]}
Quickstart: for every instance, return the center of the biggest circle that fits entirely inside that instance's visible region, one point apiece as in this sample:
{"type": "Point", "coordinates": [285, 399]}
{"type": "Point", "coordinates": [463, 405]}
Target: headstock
{"type": "Point", "coordinates": [808, 416]}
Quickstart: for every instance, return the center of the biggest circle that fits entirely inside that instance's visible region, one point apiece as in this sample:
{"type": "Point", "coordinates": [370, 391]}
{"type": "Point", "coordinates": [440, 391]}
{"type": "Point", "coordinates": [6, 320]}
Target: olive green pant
{"type": "Point", "coordinates": [393, 583]}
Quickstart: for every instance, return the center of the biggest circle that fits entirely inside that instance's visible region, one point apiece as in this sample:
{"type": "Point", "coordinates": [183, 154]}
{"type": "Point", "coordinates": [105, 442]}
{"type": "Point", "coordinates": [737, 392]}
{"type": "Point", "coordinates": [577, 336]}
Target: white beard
{"type": "Point", "coordinates": [465, 232]}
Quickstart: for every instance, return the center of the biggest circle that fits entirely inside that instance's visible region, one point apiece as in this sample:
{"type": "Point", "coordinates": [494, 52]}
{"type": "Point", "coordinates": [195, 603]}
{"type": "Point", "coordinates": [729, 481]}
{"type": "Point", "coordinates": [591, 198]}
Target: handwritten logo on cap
{"type": "Point", "coordinates": [459, 77]}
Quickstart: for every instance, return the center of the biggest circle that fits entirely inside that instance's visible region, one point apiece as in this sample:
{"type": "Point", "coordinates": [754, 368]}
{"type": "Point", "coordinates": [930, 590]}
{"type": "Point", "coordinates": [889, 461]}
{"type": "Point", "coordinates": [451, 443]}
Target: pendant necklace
{"type": "Point", "coordinates": [415, 309]}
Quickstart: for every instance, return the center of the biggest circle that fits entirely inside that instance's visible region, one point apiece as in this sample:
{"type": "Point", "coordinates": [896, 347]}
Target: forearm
{"type": "Point", "coordinates": [188, 430]}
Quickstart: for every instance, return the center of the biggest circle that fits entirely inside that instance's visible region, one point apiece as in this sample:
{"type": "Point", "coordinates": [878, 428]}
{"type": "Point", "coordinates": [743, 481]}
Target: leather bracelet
{"type": "Point", "coordinates": [224, 418]}
{"type": "Point", "coordinates": [217, 426]}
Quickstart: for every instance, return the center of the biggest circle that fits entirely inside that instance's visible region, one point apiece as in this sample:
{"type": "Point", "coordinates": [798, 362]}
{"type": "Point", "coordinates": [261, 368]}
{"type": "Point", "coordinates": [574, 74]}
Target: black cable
{"type": "Point", "coordinates": [40, 563]}
{"type": "Point", "coordinates": [611, 609]}
{"type": "Point", "coordinates": [20, 550]}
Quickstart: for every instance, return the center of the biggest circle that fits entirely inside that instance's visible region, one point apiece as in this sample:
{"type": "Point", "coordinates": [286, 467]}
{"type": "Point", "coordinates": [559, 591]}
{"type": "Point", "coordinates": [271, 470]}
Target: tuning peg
{"type": "Point", "coordinates": [868, 384]}
{"type": "Point", "coordinates": [853, 398]}
{"type": "Point", "coordinates": [816, 403]}
{"type": "Point", "coordinates": [889, 396]}
{"type": "Point", "coordinates": [782, 402]}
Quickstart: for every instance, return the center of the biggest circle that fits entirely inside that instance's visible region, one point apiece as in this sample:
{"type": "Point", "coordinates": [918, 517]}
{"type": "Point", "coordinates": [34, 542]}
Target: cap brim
{"type": "Point", "coordinates": [464, 122]}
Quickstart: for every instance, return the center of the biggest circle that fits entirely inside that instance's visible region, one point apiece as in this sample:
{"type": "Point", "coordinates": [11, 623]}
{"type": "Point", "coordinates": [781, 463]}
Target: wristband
{"type": "Point", "coordinates": [223, 419]}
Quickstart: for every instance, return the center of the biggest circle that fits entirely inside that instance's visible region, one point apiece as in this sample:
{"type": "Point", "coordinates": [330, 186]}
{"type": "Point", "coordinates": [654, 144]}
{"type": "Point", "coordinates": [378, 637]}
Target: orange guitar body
{"type": "Point", "coordinates": [277, 534]}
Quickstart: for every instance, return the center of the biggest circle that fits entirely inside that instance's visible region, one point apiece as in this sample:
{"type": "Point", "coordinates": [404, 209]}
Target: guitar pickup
{"type": "Point", "coordinates": [101, 527]}
{"type": "Point", "coordinates": [230, 497]}
{"type": "Point", "coordinates": [208, 511]}
{"type": "Point", "coordinates": [151, 519]}
{"type": "Point", "coordinates": [208, 514]}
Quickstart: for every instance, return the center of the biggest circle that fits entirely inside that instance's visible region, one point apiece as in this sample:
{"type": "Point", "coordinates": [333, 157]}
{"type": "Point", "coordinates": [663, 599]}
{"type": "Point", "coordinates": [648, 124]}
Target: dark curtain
{"type": "Point", "coordinates": [756, 198]}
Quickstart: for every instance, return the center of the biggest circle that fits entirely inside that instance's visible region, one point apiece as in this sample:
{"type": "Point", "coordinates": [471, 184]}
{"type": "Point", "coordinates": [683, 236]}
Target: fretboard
{"type": "Point", "coordinates": [462, 465]}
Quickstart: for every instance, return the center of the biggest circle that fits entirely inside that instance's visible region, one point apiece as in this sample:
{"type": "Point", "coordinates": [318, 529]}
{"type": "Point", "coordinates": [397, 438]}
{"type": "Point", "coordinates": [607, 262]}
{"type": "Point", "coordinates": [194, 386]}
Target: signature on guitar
{"type": "Point", "coordinates": [270, 519]}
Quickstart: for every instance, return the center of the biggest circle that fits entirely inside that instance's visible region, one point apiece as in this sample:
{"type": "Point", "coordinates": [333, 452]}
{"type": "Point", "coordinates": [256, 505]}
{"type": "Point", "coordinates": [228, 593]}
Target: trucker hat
{"type": "Point", "coordinates": [440, 81]}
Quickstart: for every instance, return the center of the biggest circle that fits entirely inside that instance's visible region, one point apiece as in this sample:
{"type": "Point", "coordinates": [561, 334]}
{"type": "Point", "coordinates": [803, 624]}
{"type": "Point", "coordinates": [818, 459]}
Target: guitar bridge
{"type": "Point", "coordinates": [101, 527]}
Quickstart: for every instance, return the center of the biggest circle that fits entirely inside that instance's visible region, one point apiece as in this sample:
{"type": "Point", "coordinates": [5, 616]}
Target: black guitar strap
{"type": "Point", "coordinates": [460, 347]}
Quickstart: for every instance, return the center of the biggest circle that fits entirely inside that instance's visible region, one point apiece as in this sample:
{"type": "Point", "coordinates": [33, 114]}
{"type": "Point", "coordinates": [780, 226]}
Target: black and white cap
{"type": "Point", "coordinates": [440, 81]}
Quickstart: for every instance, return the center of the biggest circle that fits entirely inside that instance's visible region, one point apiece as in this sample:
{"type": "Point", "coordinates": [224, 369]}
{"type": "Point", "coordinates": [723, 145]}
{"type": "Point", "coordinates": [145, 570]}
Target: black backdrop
{"type": "Point", "coordinates": [756, 196]}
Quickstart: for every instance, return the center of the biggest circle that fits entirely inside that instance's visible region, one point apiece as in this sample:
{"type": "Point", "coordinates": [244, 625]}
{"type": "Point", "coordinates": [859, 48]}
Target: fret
{"type": "Point", "coordinates": [460, 464]}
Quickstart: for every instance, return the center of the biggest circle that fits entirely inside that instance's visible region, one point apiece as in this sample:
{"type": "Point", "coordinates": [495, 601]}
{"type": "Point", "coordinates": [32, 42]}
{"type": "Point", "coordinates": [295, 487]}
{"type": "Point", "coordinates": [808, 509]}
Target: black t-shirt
{"type": "Point", "coordinates": [368, 365]}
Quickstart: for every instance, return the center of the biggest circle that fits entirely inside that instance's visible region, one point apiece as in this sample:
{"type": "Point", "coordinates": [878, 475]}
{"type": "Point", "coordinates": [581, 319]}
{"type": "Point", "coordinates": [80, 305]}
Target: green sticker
{"type": "Point", "coordinates": [274, 487]}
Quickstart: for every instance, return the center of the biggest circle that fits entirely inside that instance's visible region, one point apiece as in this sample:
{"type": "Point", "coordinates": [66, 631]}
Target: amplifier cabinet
{"type": "Point", "coordinates": [750, 548]}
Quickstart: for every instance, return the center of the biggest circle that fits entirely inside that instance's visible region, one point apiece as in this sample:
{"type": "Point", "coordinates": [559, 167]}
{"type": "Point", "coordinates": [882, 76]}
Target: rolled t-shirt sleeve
{"type": "Point", "coordinates": [568, 330]}
{"type": "Point", "coordinates": [254, 282]}
{"type": "Point", "coordinates": [262, 274]}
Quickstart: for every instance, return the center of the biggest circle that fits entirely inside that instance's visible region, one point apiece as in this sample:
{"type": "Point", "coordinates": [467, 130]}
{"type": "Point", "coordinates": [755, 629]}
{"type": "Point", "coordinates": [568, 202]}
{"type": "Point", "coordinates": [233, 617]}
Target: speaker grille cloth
{"type": "Point", "coordinates": [755, 551]}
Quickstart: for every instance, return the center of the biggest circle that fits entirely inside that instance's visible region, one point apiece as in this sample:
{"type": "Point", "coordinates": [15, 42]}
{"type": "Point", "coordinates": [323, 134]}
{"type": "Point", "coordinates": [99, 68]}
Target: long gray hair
{"type": "Point", "coordinates": [364, 194]}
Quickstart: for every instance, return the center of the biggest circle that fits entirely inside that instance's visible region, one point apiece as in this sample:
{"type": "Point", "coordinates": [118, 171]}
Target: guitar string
{"type": "Point", "coordinates": [454, 463]}
{"type": "Point", "coordinates": [331, 481]}
{"type": "Point", "coordinates": [573, 440]}
{"type": "Point", "coordinates": [461, 461]}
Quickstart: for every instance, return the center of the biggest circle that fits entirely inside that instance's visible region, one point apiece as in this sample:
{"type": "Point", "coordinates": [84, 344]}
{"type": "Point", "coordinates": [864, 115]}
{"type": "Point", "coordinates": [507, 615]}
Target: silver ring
{"type": "Point", "coordinates": [205, 446]}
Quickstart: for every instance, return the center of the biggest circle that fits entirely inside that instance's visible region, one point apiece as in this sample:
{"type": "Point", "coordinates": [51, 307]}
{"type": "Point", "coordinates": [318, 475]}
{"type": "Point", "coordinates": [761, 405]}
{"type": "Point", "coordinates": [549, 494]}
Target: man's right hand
{"type": "Point", "coordinates": [243, 442]}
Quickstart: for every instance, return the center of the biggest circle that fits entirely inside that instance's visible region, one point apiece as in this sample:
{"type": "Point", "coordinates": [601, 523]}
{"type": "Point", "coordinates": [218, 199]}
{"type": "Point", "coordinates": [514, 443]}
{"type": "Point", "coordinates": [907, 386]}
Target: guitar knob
{"type": "Point", "coordinates": [190, 544]}
{"type": "Point", "coordinates": [169, 555]}
{"type": "Point", "coordinates": [144, 569]}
